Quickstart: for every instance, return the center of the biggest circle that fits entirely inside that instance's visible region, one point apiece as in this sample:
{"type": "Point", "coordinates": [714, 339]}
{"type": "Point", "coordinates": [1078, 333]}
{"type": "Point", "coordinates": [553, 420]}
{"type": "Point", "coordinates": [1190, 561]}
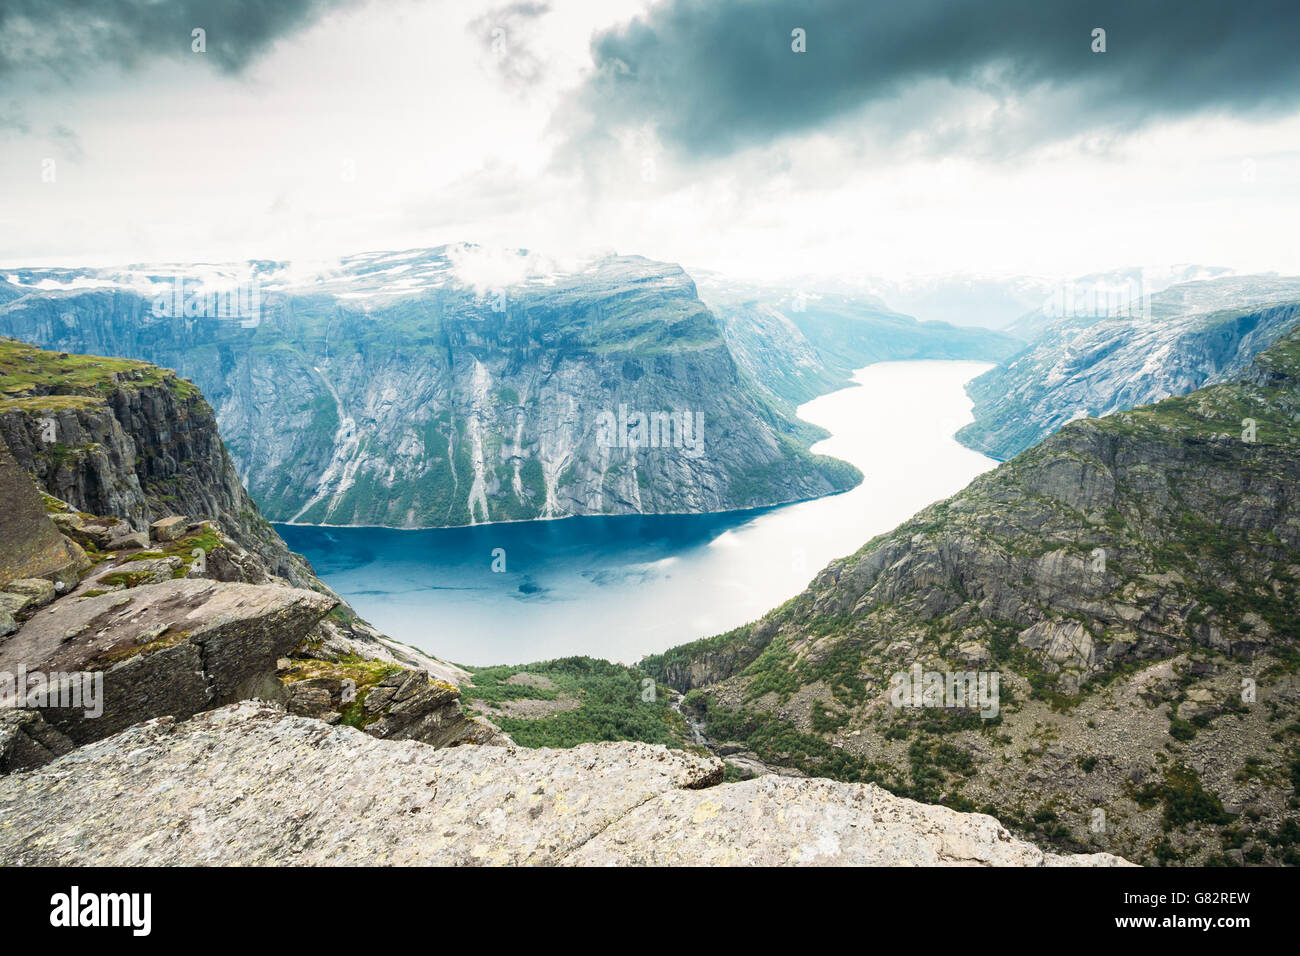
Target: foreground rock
{"type": "Point", "coordinates": [188, 622]}
{"type": "Point", "coordinates": [27, 741]}
{"type": "Point", "coordinates": [385, 700]}
{"type": "Point", "coordinates": [174, 648]}
{"type": "Point", "coordinates": [128, 484]}
{"type": "Point", "coordinates": [777, 821]}
{"type": "Point", "coordinates": [250, 784]}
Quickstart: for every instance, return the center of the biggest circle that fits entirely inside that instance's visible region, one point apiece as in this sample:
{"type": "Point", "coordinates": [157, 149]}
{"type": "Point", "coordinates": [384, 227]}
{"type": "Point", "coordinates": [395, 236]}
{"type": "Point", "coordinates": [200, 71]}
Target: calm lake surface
{"type": "Point", "coordinates": [624, 587]}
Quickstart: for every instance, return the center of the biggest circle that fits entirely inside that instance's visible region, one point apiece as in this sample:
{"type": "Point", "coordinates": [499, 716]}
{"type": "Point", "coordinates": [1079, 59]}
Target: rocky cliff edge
{"type": "Point", "coordinates": [250, 784]}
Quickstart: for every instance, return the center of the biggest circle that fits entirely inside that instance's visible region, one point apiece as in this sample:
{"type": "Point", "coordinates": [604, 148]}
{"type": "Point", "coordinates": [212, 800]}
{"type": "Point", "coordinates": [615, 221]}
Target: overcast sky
{"type": "Point", "coordinates": [926, 137]}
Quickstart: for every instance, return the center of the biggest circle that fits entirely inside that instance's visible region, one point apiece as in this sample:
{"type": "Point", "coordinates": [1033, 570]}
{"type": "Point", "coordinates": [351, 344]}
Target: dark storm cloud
{"type": "Point", "coordinates": [717, 75]}
{"type": "Point", "coordinates": [68, 37]}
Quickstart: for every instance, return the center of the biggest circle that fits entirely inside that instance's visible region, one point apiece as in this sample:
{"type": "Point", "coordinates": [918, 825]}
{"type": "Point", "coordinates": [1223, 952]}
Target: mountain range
{"type": "Point", "coordinates": [1089, 362]}
{"type": "Point", "coordinates": [450, 386]}
{"type": "Point", "coordinates": [1122, 593]}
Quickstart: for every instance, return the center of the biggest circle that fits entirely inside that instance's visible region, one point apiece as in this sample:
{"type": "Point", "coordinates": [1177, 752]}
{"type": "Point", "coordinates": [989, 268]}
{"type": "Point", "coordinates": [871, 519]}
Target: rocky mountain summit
{"type": "Point", "coordinates": [1088, 363]}
{"type": "Point", "coordinates": [1133, 583]}
{"type": "Point", "coordinates": [249, 784]}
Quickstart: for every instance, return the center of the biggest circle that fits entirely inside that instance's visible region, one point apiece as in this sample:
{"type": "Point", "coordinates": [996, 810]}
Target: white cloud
{"type": "Point", "coordinates": [385, 128]}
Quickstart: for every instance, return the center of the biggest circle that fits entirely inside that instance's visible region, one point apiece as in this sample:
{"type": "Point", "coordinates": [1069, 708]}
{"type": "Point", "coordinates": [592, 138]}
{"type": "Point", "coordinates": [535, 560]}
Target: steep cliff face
{"type": "Point", "coordinates": [396, 392]}
{"type": "Point", "coordinates": [178, 616]}
{"type": "Point", "coordinates": [293, 791]}
{"type": "Point", "coordinates": [1133, 585]}
{"type": "Point", "coordinates": [130, 441]}
{"type": "Point", "coordinates": [1196, 333]}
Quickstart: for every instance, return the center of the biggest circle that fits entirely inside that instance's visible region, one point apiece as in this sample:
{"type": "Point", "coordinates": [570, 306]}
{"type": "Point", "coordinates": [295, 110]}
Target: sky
{"type": "Point", "coordinates": [836, 138]}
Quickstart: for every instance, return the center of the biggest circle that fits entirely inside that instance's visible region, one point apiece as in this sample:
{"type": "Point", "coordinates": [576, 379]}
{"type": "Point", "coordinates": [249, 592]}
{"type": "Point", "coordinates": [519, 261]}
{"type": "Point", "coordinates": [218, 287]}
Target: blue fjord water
{"type": "Point", "coordinates": [622, 587]}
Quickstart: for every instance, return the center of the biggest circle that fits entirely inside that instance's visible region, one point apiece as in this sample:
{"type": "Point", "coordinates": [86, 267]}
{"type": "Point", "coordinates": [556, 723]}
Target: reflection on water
{"type": "Point", "coordinates": [623, 587]}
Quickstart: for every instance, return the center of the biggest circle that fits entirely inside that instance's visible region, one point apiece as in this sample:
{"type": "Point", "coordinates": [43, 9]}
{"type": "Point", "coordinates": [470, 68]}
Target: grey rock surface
{"type": "Point", "coordinates": [779, 820]}
{"type": "Point", "coordinates": [30, 544]}
{"type": "Point", "coordinates": [27, 741]}
{"type": "Point", "coordinates": [173, 648]}
{"type": "Point", "coordinates": [401, 704]}
{"type": "Point", "coordinates": [168, 529]}
{"type": "Point", "coordinates": [250, 784]}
